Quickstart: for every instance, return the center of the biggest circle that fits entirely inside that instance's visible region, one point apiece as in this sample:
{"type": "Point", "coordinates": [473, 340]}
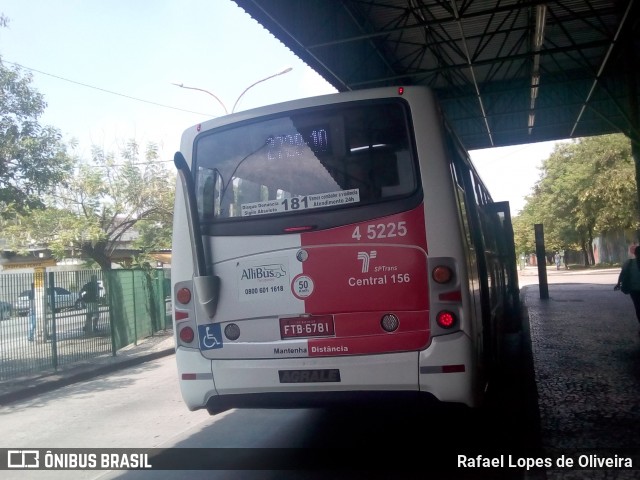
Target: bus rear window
{"type": "Point", "coordinates": [334, 157]}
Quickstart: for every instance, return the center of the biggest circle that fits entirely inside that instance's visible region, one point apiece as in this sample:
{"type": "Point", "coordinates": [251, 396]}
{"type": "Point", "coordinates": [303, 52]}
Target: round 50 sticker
{"type": "Point", "coordinates": [302, 286]}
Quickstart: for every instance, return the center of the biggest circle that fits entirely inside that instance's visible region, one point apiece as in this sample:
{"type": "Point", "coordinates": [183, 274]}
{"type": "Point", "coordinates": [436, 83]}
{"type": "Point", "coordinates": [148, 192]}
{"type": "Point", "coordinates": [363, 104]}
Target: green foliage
{"type": "Point", "coordinates": [33, 158]}
{"type": "Point", "coordinates": [49, 199]}
{"type": "Point", "coordinates": [109, 203]}
{"type": "Point", "coordinates": [587, 187]}
{"type": "Point", "coordinates": [523, 229]}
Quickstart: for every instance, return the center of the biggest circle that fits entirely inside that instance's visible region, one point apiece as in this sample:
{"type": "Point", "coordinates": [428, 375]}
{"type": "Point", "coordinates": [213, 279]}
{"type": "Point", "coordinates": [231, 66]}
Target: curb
{"type": "Point", "coordinates": [50, 384]}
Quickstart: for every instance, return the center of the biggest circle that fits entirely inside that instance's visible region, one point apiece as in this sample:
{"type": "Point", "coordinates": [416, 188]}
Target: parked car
{"type": "Point", "coordinates": [5, 310]}
{"type": "Point", "coordinates": [64, 299]}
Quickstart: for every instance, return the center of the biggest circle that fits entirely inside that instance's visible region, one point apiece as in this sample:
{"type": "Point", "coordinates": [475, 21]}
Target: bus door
{"type": "Point", "coordinates": [508, 260]}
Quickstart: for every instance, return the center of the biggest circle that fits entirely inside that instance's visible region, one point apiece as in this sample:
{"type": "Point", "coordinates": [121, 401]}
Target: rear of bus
{"type": "Point", "coordinates": [331, 231]}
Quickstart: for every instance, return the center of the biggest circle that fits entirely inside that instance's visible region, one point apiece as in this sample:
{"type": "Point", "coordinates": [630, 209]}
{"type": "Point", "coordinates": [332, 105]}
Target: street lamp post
{"type": "Point", "coordinates": [202, 90]}
{"type": "Point", "coordinates": [286, 70]}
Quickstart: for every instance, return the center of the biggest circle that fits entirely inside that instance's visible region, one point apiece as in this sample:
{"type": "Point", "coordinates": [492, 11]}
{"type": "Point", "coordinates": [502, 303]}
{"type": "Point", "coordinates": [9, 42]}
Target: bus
{"type": "Point", "coordinates": [337, 249]}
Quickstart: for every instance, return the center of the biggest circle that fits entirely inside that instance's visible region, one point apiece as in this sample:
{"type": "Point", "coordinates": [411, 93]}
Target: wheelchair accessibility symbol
{"type": "Point", "coordinates": [210, 336]}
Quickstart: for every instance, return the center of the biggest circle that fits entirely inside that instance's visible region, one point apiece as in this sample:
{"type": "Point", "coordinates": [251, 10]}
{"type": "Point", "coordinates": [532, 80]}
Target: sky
{"type": "Point", "coordinates": [107, 69]}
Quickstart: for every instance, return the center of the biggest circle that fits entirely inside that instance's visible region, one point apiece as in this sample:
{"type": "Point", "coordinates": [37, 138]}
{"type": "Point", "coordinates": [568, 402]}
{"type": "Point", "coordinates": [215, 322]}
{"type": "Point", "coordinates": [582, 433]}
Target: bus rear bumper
{"type": "Point", "coordinates": [195, 378]}
{"type": "Point", "coordinates": [300, 382]}
{"type": "Point", "coordinates": [220, 385]}
{"type": "Point", "coordinates": [329, 399]}
{"type": "Point", "coordinates": [447, 370]}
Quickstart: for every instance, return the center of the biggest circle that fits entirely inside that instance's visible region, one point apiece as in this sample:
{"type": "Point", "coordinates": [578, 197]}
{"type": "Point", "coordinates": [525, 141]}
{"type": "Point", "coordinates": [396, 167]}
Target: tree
{"type": "Point", "coordinates": [586, 188]}
{"type": "Point", "coordinates": [101, 206]}
{"type": "Point", "coordinates": [565, 175]}
{"type": "Point", "coordinates": [523, 228]}
{"type": "Point", "coordinates": [33, 158]}
{"type": "Point", "coordinates": [612, 192]}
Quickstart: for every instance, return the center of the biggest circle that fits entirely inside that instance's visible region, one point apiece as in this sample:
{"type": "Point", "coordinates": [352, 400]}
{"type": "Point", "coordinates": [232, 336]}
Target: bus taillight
{"type": "Point", "coordinates": [183, 296]}
{"type": "Point", "coordinates": [446, 319]}
{"type": "Point", "coordinates": [442, 274]}
{"type": "Point", "coordinates": [187, 335]}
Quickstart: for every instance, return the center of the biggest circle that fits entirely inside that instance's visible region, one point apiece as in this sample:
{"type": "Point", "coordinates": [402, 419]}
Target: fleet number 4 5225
{"type": "Point", "coordinates": [381, 230]}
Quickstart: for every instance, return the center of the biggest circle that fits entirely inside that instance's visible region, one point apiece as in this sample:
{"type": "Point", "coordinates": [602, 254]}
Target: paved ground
{"type": "Point", "coordinates": [156, 346]}
{"type": "Point", "coordinates": [586, 351]}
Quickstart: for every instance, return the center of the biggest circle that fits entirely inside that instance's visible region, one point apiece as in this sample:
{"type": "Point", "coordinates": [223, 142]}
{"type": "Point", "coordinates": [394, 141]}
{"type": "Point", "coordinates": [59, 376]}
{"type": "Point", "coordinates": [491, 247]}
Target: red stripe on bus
{"type": "Point", "coordinates": [355, 278]}
{"type": "Point", "coordinates": [197, 376]}
{"type": "Point", "coordinates": [453, 368]}
{"type": "Point", "coordinates": [406, 228]}
{"type": "Point", "coordinates": [374, 265]}
{"type": "Point", "coordinates": [386, 343]}
{"type": "Point", "coordinates": [368, 323]}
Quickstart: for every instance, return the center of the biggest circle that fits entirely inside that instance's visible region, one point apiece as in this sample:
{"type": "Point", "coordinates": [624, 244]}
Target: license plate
{"type": "Point", "coordinates": [296, 327]}
{"type": "Point", "coordinates": [309, 376]}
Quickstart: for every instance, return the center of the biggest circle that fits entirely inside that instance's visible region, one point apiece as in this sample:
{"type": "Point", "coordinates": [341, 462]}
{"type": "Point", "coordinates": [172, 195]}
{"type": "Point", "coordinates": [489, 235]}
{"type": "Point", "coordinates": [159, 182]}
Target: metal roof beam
{"type": "Point", "coordinates": [522, 56]}
{"type": "Point", "coordinates": [473, 75]}
{"type": "Point", "coordinates": [603, 65]}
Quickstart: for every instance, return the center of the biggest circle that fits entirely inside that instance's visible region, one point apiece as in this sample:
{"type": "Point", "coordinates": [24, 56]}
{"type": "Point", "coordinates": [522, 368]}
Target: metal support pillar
{"type": "Point", "coordinates": [542, 261]}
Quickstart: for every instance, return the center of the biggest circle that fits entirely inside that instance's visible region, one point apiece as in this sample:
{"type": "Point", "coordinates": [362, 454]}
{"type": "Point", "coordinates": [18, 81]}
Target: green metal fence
{"type": "Point", "coordinates": [140, 304]}
{"type": "Point", "coordinates": [45, 325]}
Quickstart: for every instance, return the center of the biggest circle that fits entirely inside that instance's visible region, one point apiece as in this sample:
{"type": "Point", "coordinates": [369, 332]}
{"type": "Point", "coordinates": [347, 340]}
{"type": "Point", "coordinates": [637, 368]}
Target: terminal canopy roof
{"type": "Point", "coordinates": [506, 71]}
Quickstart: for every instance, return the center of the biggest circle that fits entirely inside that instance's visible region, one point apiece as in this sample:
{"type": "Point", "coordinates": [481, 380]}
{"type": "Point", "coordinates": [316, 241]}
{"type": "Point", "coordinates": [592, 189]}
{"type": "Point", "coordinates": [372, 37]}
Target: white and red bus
{"type": "Point", "coordinates": [336, 249]}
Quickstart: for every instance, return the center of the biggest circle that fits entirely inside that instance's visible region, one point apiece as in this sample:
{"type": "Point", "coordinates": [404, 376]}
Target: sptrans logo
{"type": "Point", "coordinates": [366, 258]}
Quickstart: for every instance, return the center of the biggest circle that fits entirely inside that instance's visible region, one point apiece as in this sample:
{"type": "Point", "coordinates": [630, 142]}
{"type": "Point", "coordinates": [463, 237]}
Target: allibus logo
{"type": "Point", "coordinates": [263, 272]}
